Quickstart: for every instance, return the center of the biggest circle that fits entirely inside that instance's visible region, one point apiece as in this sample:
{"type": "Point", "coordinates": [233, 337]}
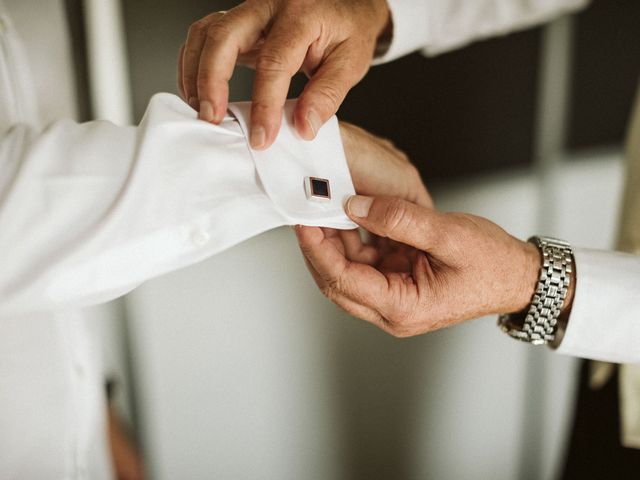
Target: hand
{"type": "Point", "coordinates": [446, 268]}
{"type": "Point", "coordinates": [332, 41]}
{"type": "Point", "coordinates": [378, 168]}
{"type": "Point", "coordinates": [127, 462]}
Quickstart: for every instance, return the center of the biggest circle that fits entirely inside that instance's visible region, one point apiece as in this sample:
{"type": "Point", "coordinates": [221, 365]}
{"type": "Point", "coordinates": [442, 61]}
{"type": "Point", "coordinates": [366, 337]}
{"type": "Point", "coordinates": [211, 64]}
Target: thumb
{"type": "Point", "coordinates": [396, 219]}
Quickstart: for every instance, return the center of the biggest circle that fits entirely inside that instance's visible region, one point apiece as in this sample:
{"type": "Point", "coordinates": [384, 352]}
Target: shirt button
{"type": "Point", "coordinates": [199, 238]}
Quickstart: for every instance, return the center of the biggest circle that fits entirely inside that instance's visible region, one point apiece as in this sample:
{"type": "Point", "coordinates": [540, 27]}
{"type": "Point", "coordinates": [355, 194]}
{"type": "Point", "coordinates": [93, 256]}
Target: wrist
{"type": "Point", "coordinates": [530, 273]}
{"type": "Point", "coordinates": [531, 262]}
{"type": "Point", "coordinates": [543, 323]}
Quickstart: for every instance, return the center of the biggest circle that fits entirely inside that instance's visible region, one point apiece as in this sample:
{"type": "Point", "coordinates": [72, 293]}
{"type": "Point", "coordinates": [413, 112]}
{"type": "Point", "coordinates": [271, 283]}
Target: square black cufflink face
{"type": "Point", "coordinates": [318, 189]}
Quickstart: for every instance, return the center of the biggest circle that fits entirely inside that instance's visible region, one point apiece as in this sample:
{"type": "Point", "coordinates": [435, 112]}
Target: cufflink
{"type": "Point", "coordinates": [317, 189]}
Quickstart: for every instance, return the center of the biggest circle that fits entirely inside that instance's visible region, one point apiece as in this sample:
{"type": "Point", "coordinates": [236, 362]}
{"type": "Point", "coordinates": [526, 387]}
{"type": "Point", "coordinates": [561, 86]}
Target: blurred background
{"type": "Point", "coordinates": [237, 368]}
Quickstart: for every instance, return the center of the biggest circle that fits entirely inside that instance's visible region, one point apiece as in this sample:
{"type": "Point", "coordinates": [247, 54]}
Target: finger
{"type": "Point", "coordinates": [356, 250]}
{"type": "Point", "coordinates": [322, 96]}
{"type": "Point", "coordinates": [179, 76]}
{"type": "Point", "coordinates": [350, 244]}
{"type": "Point", "coordinates": [248, 59]}
{"type": "Point", "coordinates": [397, 219]}
{"type": "Point", "coordinates": [281, 57]}
{"type": "Point", "coordinates": [315, 53]}
{"type": "Point", "coordinates": [231, 34]}
{"type": "Point", "coordinates": [352, 308]}
{"type": "Point", "coordinates": [422, 273]}
{"type": "Point", "coordinates": [395, 262]}
{"type": "Point", "coordinates": [191, 57]}
{"type": "Point", "coordinates": [358, 282]}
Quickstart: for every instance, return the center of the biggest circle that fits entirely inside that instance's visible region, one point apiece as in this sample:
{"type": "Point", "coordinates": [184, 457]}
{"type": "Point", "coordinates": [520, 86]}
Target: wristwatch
{"type": "Point", "coordinates": [539, 323]}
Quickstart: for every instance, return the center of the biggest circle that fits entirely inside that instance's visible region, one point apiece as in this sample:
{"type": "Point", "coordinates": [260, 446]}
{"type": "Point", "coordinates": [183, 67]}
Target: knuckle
{"type": "Point", "coordinates": [204, 80]}
{"type": "Point", "coordinates": [334, 286]}
{"type": "Point", "coordinates": [219, 32]}
{"type": "Point", "coordinates": [197, 27]}
{"type": "Point", "coordinates": [412, 170]}
{"type": "Point", "coordinates": [396, 331]}
{"type": "Point", "coordinates": [330, 291]}
{"type": "Point", "coordinates": [399, 324]}
{"type": "Point", "coordinates": [394, 216]}
{"type": "Point", "coordinates": [331, 95]}
{"type": "Point", "coordinates": [272, 63]}
{"type": "Point", "coordinates": [413, 174]}
{"type": "Point", "coordinates": [401, 154]}
{"type": "Point", "coordinates": [262, 109]}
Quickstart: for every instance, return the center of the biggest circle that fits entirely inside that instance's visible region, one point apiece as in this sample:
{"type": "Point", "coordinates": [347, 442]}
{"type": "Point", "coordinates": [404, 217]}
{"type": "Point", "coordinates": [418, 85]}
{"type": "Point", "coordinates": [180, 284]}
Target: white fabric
{"type": "Point", "coordinates": [409, 19]}
{"type": "Point", "coordinates": [283, 169]}
{"type": "Point", "coordinates": [92, 210]}
{"type": "Point", "coordinates": [437, 26]}
{"type": "Point", "coordinates": [52, 409]}
{"type": "Point", "coordinates": [605, 316]}
{"type": "Point", "coordinates": [89, 211]}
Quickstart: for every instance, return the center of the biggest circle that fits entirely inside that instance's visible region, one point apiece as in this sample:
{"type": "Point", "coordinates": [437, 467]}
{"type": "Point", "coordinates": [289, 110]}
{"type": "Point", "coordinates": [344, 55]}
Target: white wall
{"type": "Point", "coordinates": [244, 371]}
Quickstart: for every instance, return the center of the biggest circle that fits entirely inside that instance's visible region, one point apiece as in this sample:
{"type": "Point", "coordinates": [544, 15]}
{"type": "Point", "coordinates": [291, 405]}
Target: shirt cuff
{"type": "Point", "coordinates": [605, 316]}
{"type": "Point", "coordinates": [409, 29]}
{"type": "Point", "coordinates": [286, 169]}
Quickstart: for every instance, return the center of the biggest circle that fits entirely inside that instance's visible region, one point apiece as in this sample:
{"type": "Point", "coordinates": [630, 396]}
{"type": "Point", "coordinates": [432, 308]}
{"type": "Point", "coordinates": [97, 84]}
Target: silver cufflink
{"type": "Point", "coordinates": [318, 189]}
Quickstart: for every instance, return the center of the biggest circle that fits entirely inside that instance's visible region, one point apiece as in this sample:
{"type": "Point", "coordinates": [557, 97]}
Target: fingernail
{"type": "Point", "coordinates": [206, 110]}
{"type": "Point", "coordinates": [313, 119]}
{"type": "Point", "coordinates": [218, 114]}
{"type": "Point", "coordinates": [193, 103]}
{"type": "Point", "coordinates": [258, 137]}
{"type": "Point", "coordinates": [358, 206]}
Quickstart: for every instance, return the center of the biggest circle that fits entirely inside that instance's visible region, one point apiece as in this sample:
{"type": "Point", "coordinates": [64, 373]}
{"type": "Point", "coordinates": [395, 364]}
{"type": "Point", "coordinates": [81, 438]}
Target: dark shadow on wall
{"type": "Point", "coordinates": [606, 68]}
{"type": "Point", "coordinates": [378, 383]}
{"type": "Point", "coordinates": [458, 114]}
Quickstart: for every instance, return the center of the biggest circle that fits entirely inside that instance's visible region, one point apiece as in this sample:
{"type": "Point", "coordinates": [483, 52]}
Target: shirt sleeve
{"type": "Point", "coordinates": [437, 26]}
{"type": "Point", "coordinates": [605, 316]}
{"type": "Point", "coordinates": [89, 211]}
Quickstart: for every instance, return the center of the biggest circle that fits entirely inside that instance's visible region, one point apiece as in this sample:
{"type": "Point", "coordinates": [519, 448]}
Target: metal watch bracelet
{"type": "Point", "coordinates": [540, 323]}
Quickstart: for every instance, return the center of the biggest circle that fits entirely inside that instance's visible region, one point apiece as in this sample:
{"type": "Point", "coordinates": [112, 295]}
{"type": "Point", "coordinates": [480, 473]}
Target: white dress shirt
{"type": "Point", "coordinates": [89, 211]}
{"type": "Point", "coordinates": [605, 317]}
